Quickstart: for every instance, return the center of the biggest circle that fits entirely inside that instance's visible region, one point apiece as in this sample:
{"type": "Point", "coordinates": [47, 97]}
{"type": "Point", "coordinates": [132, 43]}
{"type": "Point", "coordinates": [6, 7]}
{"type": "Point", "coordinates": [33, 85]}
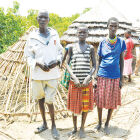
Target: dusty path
{"type": "Point", "coordinates": [125, 123]}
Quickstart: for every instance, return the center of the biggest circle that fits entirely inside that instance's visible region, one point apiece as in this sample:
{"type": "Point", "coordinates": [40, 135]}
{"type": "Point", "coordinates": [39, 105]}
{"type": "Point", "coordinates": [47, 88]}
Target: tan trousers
{"type": "Point", "coordinates": [45, 89]}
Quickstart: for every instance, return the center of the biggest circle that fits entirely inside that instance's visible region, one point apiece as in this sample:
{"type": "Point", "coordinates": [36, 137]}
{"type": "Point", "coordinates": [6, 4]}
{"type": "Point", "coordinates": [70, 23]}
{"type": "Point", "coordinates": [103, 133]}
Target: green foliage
{"type": "Point", "coordinates": [86, 10]}
{"type": "Point", "coordinates": [61, 24]}
{"type": "Point", "coordinates": [15, 7]}
{"type": "Point", "coordinates": [11, 28]}
{"type": "Point", "coordinates": [31, 18]}
{"type": "Point", "coordinates": [13, 25]}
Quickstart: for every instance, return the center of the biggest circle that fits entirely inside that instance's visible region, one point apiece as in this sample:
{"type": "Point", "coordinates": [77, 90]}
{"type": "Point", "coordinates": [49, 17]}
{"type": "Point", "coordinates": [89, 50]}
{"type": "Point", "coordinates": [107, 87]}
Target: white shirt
{"type": "Point", "coordinates": [43, 50]}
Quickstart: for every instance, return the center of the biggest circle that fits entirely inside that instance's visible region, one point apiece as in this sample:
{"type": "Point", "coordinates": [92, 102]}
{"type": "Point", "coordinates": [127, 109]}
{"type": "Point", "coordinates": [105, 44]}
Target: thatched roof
{"type": "Point", "coordinates": [96, 20]}
{"type": "Point", "coordinates": [137, 28]}
{"type": "Point", "coordinates": [15, 84]}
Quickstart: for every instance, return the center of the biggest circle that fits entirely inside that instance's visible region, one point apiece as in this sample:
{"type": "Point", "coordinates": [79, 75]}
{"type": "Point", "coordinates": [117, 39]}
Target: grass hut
{"type": "Point", "coordinates": [15, 85]}
{"type": "Point", "coordinates": [96, 20]}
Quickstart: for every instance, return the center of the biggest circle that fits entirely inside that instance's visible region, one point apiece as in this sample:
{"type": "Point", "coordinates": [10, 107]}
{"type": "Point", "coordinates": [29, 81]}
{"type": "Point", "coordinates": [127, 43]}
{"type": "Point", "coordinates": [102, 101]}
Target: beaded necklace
{"type": "Point", "coordinates": [111, 42]}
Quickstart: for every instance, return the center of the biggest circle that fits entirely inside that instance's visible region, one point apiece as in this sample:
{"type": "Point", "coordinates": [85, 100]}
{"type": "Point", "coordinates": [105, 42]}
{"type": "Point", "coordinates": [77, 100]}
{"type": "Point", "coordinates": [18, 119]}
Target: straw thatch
{"type": "Point", "coordinates": [96, 20]}
{"type": "Point", "coordinates": [137, 28]}
{"type": "Point", "coordinates": [15, 84]}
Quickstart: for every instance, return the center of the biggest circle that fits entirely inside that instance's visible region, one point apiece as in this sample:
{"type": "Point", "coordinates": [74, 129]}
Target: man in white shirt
{"type": "Point", "coordinates": [44, 53]}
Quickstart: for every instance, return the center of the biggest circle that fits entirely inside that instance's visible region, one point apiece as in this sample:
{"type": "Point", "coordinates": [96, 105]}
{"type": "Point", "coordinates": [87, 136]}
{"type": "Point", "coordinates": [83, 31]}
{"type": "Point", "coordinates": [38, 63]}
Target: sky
{"type": "Point", "coordinates": [131, 8]}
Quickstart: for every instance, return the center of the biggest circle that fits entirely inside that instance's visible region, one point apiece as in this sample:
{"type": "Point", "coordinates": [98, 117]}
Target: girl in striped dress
{"type": "Point", "coordinates": [109, 73]}
{"type": "Point", "coordinates": [80, 94]}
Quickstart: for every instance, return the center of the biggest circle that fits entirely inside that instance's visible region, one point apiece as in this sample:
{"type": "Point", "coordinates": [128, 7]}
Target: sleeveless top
{"type": "Point", "coordinates": [80, 63]}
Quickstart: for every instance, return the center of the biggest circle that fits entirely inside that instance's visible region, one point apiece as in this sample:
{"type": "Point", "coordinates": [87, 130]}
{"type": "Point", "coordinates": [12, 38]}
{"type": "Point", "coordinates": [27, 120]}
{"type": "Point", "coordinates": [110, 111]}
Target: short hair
{"type": "Point", "coordinates": [128, 31]}
{"type": "Point", "coordinates": [82, 26]}
{"type": "Point", "coordinates": [43, 11]}
{"type": "Point", "coordinates": [112, 18]}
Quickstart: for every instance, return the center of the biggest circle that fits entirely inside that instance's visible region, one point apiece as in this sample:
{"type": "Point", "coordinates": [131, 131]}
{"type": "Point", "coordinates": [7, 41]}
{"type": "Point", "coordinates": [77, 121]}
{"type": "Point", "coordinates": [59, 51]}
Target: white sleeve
{"type": "Point", "coordinates": [60, 50]}
{"type": "Point", "coordinates": [29, 54]}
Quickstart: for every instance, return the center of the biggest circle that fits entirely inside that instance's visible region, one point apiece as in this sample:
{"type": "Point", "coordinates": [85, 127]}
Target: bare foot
{"type": "Point", "coordinates": [55, 133]}
{"type": "Point", "coordinates": [106, 130]}
{"type": "Point", "coordinates": [72, 132]}
{"type": "Point", "coordinates": [82, 133]}
{"type": "Point", "coordinates": [98, 127]}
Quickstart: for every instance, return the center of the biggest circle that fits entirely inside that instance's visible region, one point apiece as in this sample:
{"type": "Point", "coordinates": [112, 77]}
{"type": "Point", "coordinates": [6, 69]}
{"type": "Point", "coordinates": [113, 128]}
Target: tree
{"type": "Point", "coordinates": [12, 26]}
{"type": "Point", "coordinates": [15, 7]}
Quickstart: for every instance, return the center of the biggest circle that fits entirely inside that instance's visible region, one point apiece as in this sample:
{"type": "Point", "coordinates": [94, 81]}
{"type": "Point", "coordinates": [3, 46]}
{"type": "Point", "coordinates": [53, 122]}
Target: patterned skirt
{"type": "Point", "coordinates": [107, 94]}
{"type": "Point", "coordinates": [80, 99]}
{"type": "Point", "coordinates": [66, 79]}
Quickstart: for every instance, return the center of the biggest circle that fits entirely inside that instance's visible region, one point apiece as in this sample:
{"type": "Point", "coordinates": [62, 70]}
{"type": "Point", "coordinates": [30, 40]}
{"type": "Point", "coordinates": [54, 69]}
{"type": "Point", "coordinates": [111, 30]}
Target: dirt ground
{"type": "Point", "coordinates": [124, 125]}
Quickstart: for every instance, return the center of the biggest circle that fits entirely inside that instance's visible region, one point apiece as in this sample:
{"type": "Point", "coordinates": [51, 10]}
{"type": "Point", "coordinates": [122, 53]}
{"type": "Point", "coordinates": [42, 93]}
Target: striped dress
{"type": "Point", "coordinates": [80, 99]}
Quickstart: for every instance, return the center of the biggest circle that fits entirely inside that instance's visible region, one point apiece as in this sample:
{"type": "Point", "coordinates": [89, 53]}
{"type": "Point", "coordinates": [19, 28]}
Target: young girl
{"type": "Point", "coordinates": [109, 74]}
{"type": "Point", "coordinates": [80, 94]}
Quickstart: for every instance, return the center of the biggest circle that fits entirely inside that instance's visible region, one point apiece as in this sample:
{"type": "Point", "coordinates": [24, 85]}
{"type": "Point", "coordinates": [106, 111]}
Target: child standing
{"type": "Point", "coordinates": [80, 94]}
{"type": "Point", "coordinates": [109, 74]}
{"type": "Point", "coordinates": [128, 56]}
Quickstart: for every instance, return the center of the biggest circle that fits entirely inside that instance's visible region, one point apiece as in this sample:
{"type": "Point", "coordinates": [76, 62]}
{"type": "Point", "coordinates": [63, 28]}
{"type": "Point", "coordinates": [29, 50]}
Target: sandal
{"type": "Point", "coordinates": [73, 132]}
{"type": "Point", "coordinates": [55, 134]}
{"type": "Point", "coordinates": [40, 129]}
